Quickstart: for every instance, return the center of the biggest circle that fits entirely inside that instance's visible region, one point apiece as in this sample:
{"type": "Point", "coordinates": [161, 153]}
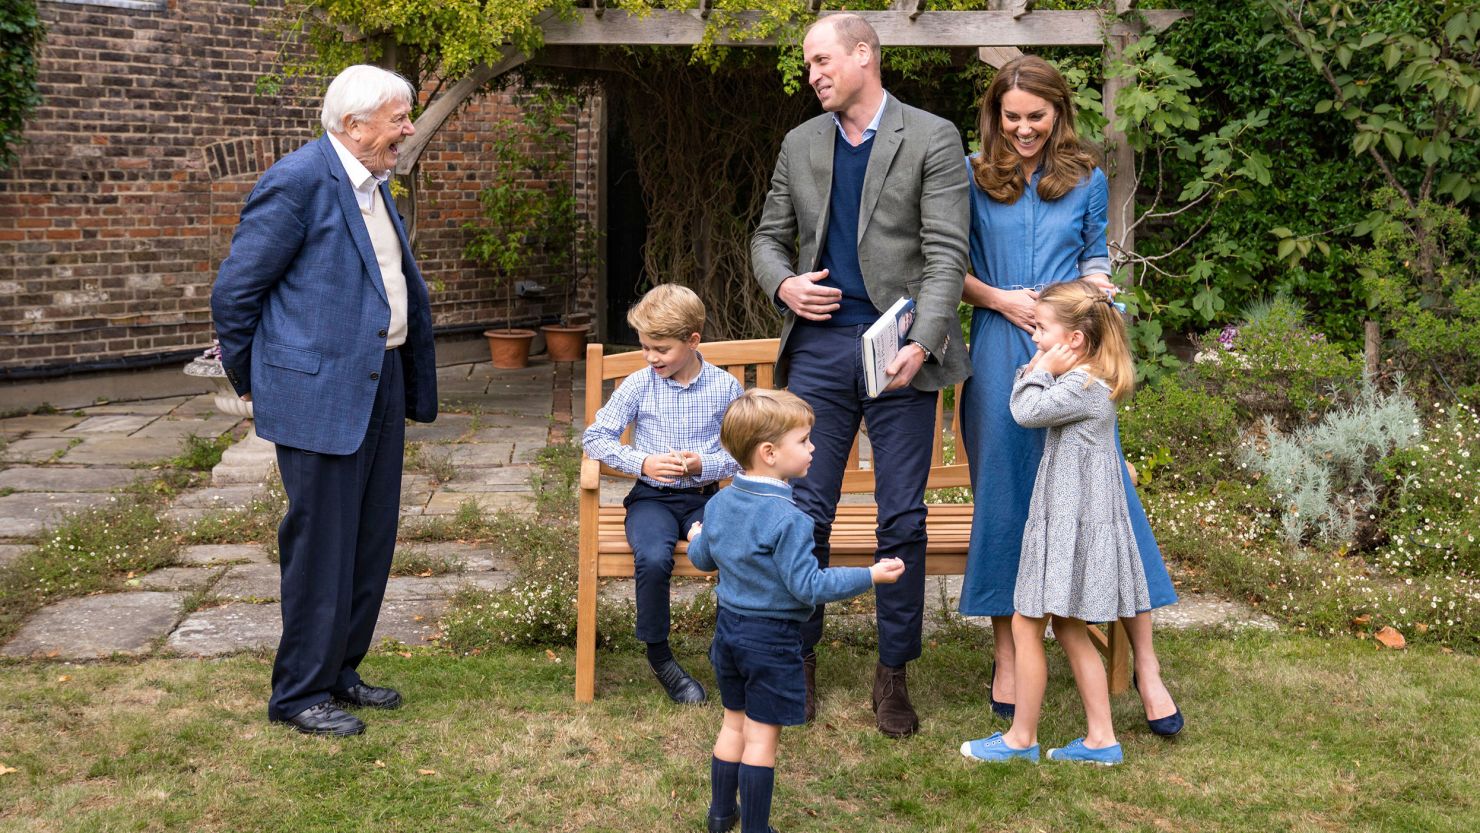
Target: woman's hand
{"type": "Point", "coordinates": [1103, 281]}
{"type": "Point", "coordinates": [1016, 305]}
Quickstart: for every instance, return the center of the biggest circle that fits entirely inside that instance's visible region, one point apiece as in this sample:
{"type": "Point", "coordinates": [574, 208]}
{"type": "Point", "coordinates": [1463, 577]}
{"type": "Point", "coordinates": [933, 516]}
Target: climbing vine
{"type": "Point", "coordinates": [21, 34]}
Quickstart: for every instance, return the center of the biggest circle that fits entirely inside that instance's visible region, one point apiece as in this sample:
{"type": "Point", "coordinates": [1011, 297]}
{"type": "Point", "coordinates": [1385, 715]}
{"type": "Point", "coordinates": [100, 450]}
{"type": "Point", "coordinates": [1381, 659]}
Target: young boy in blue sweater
{"type": "Point", "coordinates": [769, 582]}
{"type": "Point", "coordinates": [674, 405]}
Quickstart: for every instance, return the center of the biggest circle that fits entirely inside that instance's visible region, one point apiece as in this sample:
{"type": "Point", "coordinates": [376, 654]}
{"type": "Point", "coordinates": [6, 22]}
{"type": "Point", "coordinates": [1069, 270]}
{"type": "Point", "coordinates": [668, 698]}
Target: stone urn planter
{"type": "Point", "coordinates": [208, 366]}
{"type": "Point", "coordinates": [249, 460]}
{"type": "Point", "coordinates": [565, 343]}
{"type": "Point", "coordinates": [509, 349]}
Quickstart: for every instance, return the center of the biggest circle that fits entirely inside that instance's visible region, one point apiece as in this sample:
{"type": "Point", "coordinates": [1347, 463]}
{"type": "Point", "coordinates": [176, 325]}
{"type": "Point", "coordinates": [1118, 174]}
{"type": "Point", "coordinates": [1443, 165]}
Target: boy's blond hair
{"type": "Point", "coordinates": [761, 415]}
{"type": "Point", "coordinates": [668, 311]}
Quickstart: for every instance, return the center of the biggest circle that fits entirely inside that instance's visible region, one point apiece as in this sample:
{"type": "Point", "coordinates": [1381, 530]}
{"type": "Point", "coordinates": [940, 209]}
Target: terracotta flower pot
{"type": "Point", "coordinates": [565, 344]}
{"type": "Point", "coordinates": [509, 348]}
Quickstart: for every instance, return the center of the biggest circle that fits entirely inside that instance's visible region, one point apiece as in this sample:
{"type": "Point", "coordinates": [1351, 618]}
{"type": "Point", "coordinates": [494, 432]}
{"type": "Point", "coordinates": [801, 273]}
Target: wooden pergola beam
{"type": "Point", "coordinates": [432, 118]}
{"type": "Point", "coordinates": [667, 27]}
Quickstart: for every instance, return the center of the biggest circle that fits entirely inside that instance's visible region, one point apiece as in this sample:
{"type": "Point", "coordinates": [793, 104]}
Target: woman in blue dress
{"type": "Point", "coordinates": [1039, 208]}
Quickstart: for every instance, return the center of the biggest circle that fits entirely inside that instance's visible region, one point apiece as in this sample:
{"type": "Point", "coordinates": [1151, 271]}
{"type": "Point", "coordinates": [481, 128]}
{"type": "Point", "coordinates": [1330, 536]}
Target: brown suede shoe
{"type": "Point", "coordinates": [896, 717]}
{"type": "Point", "coordinates": [809, 676]}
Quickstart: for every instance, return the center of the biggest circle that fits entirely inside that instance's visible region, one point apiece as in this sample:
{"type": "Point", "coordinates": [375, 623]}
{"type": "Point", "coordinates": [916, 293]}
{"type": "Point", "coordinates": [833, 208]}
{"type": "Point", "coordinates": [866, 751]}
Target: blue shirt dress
{"type": "Point", "coordinates": [1030, 244]}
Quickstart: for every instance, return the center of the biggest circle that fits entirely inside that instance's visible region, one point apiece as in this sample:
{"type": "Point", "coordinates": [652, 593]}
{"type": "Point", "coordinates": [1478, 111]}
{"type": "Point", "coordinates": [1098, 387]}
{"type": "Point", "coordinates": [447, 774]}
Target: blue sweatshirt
{"type": "Point", "coordinates": [762, 545]}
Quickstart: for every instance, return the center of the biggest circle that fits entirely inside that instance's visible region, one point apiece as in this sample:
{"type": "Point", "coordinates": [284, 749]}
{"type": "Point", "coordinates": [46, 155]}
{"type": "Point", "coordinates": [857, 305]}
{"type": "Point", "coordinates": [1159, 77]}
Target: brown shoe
{"type": "Point", "coordinates": [896, 717]}
{"type": "Point", "coordinates": [809, 676]}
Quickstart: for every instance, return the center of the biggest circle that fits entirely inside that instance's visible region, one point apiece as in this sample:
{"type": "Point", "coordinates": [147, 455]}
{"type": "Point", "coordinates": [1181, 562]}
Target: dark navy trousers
{"type": "Point", "coordinates": [656, 520]}
{"type": "Point", "coordinates": [826, 369]}
{"type": "Point", "coordinates": [336, 544]}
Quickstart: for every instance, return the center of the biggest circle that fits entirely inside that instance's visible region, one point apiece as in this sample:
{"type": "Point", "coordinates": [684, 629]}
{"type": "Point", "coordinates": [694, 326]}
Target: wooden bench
{"type": "Point", "coordinates": [603, 540]}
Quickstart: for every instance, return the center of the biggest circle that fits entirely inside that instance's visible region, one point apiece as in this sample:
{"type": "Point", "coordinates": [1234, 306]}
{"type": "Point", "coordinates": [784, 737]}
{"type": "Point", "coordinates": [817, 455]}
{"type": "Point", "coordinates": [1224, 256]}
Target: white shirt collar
{"type": "Point", "coordinates": [361, 179]}
{"type": "Point", "coordinates": [873, 126]}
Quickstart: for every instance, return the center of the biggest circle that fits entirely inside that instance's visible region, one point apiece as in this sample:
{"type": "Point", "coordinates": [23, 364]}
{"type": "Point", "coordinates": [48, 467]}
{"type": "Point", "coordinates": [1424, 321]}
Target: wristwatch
{"type": "Point", "coordinates": [926, 350]}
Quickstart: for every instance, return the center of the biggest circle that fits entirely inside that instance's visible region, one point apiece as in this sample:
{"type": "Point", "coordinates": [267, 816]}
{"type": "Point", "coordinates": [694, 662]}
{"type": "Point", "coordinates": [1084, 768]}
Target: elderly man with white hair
{"type": "Point", "coordinates": [325, 326]}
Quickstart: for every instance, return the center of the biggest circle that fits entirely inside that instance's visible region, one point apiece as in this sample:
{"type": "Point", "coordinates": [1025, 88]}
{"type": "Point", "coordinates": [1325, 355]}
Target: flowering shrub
{"type": "Point", "coordinates": [1227, 540]}
{"type": "Point", "coordinates": [1323, 476]}
{"type": "Point", "coordinates": [1435, 508]}
{"type": "Point", "coordinates": [1275, 366]}
{"type": "Point", "coordinates": [1177, 436]}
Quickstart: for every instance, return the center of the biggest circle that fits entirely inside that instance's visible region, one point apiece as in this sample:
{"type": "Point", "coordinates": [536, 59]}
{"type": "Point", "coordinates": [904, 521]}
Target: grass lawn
{"type": "Point", "coordinates": [1290, 733]}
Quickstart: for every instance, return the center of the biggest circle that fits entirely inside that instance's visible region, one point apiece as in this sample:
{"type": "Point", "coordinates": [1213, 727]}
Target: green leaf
{"type": "Point", "coordinates": [1281, 232]}
{"type": "Point", "coordinates": [1324, 105]}
{"type": "Point", "coordinates": [1394, 145]}
{"type": "Point", "coordinates": [1283, 251]}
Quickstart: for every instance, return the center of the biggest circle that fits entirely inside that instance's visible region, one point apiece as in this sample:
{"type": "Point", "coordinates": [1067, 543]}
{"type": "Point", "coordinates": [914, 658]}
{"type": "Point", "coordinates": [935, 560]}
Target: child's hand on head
{"type": "Point", "coordinates": [886, 570]}
{"type": "Point", "coordinates": [694, 530]}
{"type": "Point", "coordinates": [1058, 359]}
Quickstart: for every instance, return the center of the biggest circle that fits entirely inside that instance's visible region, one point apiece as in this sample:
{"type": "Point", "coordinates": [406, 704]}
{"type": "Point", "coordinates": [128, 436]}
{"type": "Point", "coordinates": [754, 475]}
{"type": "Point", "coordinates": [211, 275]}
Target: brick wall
{"type": "Point", "coordinates": [150, 135]}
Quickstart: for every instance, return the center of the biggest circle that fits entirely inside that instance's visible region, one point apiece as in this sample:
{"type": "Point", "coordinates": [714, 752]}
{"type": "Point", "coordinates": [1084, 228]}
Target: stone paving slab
{"type": "Point", "coordinates": [215, 631]}
{"type": "Point", "coordinates": [411, 622]}
{"type": "Point", "coordinates": [446, 501]}
{"type": "Point", "coordinates": [97, 626]}
{"type": "Point", "coordinates": [33, 424]}
{"type": "Point", "coordinates": [114, 450]}
{"type": "Point", "coordinates": [201, 555]}
{"type": "Point", "coordinates": [250, 582]}
{"type": "Point", "coordinates": [65, 479]}
{"type": "Point", "coordinates": [201, 405]}
{"type": "Point", "coordinates": [178, 428]}
{"type": "Point", "coordinates": [35, 449]}
{"type": "Point", "coordinates": [175, 578]}
{"type": "Point", "coordinates": [515, 477]}
{"type": "Point", "coordinates": [446, 429]}
{"type": "Point", "coordinates": [156, 407]}
{"type": "Point", "coordinates": [480, 454]}
{"type": "Point", "coordinates": [126, 423]}
{"type": "Point", "coordinates": [1197, 610]}
{"type": "Point", "coordinates": [510, 433]}
{"type": "Point", "coordinates": [10, 552]}
{"type": "Point", "coordinates": [194, 505]}
{"type": "Point", "coordinates": [26, 514]}
{"type": "Point", "coordinates": [472, 557]}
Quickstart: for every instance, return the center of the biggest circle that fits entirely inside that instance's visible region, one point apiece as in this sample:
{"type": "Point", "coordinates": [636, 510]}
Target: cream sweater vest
{"type": "Point", "coordinates": [388, 252]}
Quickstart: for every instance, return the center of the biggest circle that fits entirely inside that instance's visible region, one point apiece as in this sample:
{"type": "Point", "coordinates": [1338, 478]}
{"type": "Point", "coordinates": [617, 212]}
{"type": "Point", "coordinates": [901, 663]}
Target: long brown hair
{"type": "Point", "coordinates": [1080, 305]}
{"type": "Point", "coordinates": [1066, 160]}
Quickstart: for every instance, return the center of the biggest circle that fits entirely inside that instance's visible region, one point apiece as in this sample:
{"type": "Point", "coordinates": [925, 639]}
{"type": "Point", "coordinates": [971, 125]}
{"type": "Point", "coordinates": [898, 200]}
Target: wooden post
{"type": "Point", "coordinates": [1120, 160]}
{"type": "Point", "coordinates": [1372, 343]}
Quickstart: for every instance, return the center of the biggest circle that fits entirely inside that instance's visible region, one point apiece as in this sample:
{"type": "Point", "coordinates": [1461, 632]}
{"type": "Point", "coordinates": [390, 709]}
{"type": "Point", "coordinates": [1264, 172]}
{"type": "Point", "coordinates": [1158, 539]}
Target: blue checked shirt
{"type": "Point", "coordinates": [666, 416]}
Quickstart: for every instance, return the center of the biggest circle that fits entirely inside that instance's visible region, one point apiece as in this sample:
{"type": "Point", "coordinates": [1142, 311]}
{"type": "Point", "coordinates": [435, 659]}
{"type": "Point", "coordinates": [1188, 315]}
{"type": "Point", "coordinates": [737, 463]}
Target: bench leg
{"type": "Point", "coordinates": [1118, 658]}
{"type": "Point", "coordinates": [586, 602]}
{"type": "Point", "coordinates": [1114, 645]}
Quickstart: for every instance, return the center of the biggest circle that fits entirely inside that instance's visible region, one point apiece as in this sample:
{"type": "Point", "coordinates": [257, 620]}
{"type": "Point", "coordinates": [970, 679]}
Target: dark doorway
{"type": "Point", "coordinates": [626, 221]}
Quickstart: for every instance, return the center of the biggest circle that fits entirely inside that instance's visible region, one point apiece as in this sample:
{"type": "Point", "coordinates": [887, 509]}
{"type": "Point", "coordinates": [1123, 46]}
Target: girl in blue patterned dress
{"type": "Point", "coordinates": [1039, 210]}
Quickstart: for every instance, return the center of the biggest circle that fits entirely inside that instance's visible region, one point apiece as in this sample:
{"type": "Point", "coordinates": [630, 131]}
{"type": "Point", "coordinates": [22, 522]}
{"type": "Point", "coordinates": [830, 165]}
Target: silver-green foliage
{"type": "Point", "coordinates": [1322, 475]}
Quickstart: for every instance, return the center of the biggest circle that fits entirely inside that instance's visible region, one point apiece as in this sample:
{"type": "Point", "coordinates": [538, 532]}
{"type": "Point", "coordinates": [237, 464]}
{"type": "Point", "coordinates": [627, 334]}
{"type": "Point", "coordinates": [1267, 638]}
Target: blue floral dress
{"type": "Point", "coordinates": [1029, 244]}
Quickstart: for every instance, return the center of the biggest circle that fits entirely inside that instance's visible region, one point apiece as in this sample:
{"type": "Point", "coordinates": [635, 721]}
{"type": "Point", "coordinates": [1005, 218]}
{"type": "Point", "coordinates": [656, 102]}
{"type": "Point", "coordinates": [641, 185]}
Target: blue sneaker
{"type": "Point", "coordinates": [994, 748]}
{"type": "Point", "coordinates": [1077, 751]}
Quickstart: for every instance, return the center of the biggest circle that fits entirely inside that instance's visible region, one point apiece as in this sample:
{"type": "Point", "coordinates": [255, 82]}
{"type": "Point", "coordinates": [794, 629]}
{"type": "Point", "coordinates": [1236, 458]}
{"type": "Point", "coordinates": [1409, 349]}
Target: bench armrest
{"type": "Point", "coordinates": [590, 474]}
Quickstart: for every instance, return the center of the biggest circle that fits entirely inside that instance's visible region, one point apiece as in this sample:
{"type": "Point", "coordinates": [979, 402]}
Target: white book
{"type": "Point", "coordinates": [882, 341]}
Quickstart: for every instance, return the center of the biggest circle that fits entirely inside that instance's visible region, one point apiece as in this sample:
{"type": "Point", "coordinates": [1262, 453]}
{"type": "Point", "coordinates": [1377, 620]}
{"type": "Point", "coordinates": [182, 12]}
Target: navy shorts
{"type": "Point", "coordinates": [758, 664]}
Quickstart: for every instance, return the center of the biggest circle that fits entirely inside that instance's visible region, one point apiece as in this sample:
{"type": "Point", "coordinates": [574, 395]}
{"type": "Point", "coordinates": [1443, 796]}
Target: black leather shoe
{"type": "Point", "coordinates": [680, 686]}
{"type": "Point", "coordinates": [368, 697]}
{"type": "Point", "coordinates": [325, 719]}
{"type": "Point", "coordinates": [722, 824]}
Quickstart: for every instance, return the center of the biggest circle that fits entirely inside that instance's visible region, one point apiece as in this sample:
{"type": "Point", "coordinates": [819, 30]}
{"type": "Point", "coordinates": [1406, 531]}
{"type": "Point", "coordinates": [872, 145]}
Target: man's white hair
{"type": "Point", "coordinates": [359, 91]}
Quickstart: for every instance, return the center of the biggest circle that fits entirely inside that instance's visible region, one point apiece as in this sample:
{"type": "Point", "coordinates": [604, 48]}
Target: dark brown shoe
{"type": "Point", "coordinates": [892, 709]}
{"type": "Point", "coordinates": [809, 676]}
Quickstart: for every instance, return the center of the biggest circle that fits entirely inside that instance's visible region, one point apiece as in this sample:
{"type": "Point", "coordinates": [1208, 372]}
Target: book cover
{"type": "Point", "coordinates": [882, 341]}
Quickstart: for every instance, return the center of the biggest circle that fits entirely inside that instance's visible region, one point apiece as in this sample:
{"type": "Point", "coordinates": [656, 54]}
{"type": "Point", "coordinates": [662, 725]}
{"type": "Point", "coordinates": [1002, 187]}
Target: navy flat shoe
{"type": "Point", "coordinates": [1164, 726]}
{"type": "Point", "coordinates": [999, 708]}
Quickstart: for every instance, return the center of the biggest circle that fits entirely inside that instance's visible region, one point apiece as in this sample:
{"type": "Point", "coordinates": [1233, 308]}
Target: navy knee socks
{"type": "Point", "coordinates": [724, 779]}
{"type": "Point", "coordinates": [658, 652]}
{"type": "Point", "coordinates": [755, 798]}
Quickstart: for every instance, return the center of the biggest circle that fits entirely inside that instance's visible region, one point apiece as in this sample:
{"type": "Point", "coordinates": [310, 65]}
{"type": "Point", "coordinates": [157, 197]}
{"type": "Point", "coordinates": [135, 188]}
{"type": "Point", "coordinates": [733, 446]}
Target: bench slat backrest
{"type": "Point", "coordinates": [754, 359]}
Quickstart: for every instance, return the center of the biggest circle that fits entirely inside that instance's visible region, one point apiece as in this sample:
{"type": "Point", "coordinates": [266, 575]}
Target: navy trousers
{"type": "Point", "coordinates": [656, 520]}
{"type": "Point", "coordinates": [336, 544]}
{"type": "Point", "coordinates": [827, 371]}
